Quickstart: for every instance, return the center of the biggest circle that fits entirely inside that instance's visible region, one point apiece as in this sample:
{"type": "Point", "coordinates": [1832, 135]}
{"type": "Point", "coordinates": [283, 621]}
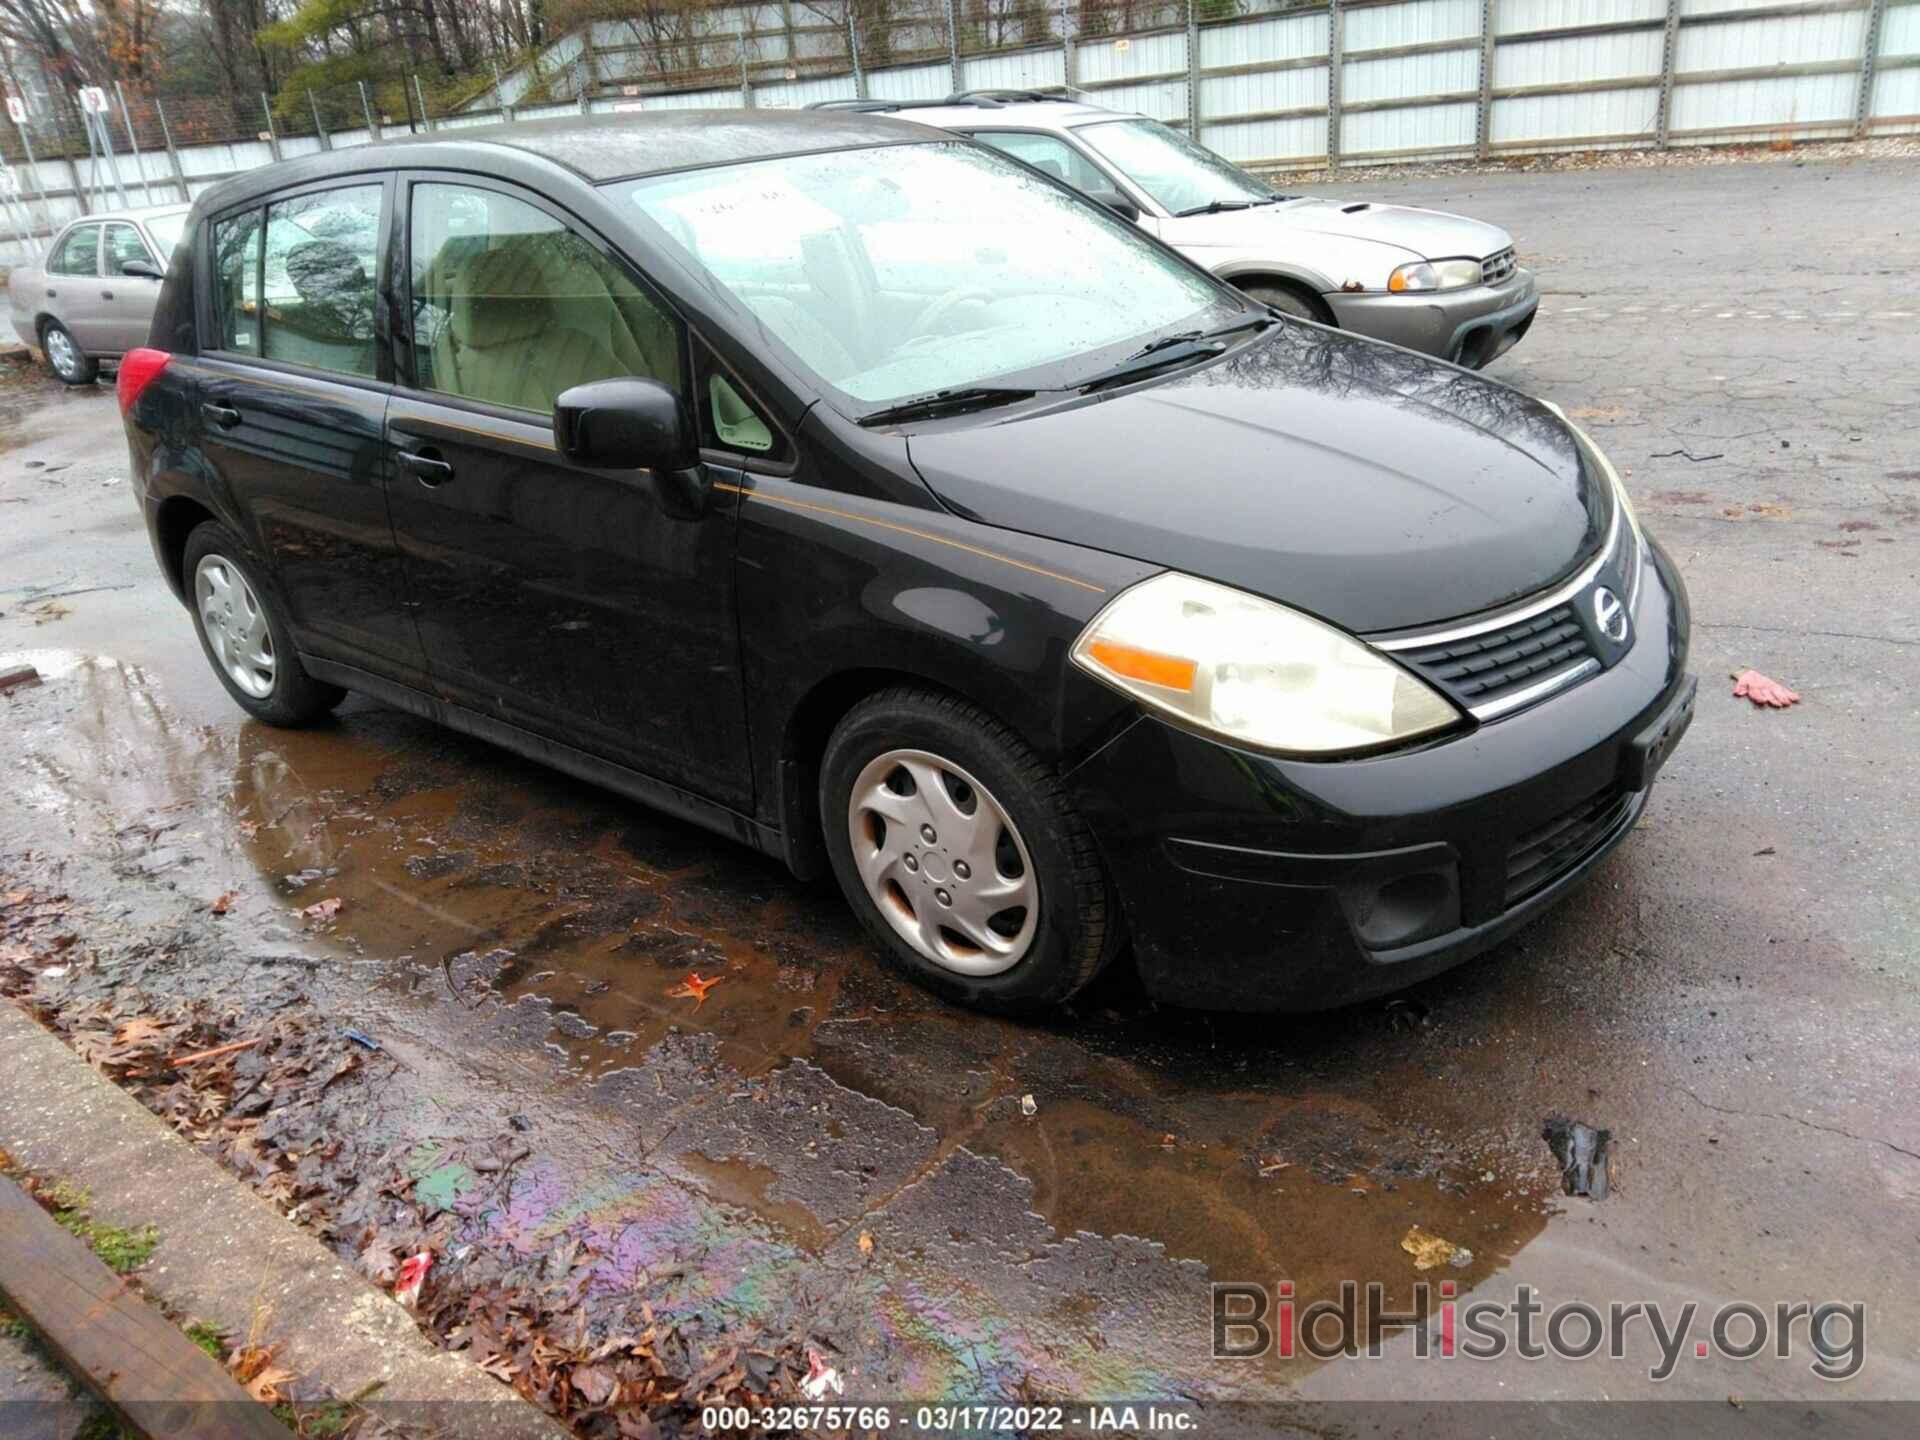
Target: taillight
{"type": "Point", "coordinates": [138, 369]}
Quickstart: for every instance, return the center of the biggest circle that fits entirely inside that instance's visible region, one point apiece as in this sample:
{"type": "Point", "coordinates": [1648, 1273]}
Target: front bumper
{"type": "Point", "coordinates": [1471, 326]}
{"type": "Point", "coordinates": [1254, 882]}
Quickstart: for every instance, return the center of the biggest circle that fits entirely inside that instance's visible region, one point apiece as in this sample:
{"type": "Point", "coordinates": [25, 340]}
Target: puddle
{"type": "Point", "coordinates": [470, 878]}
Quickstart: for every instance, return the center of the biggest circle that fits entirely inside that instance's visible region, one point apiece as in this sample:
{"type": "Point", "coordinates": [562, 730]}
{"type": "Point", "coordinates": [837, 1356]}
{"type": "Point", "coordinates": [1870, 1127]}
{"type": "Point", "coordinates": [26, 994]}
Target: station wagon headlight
{"type": "Point", "coordinates": [1254, 672]}
{"type": "Point", "coordinates": [1434, 275]}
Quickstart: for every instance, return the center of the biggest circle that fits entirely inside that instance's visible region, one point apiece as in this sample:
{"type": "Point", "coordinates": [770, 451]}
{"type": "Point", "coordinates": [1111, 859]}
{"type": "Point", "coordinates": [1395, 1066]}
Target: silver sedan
{"type": "Point", "coordinates": [1438, 283]}
{"type": "Point", "coordinates": [92, 299]}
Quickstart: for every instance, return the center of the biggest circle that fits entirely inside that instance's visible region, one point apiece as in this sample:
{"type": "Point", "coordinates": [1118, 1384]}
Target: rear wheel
{"type": "Point", "coordinates": [1289, 301]}
{"type": "Point", "coordinates": [958, 847]}
{"type": "Point", "coordinates": [69, 361]}
{"type": "Point", "coordinates": [245, 637]}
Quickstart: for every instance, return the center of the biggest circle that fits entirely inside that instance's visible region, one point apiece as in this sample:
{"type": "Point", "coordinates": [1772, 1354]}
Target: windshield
{"type": "Point", "coordinates": [166, 231]}
{"type": "Point", "coordinates": [1179, 175]}
{"type": "Point", "coordinates": [906, 270]}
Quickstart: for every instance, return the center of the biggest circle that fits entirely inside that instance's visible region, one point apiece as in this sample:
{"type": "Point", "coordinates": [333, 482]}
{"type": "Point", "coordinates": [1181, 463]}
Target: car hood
{"type": "Point", "coordinates": [1423, 234]}
{"type": "Point", "coordinates": [1365, 484]}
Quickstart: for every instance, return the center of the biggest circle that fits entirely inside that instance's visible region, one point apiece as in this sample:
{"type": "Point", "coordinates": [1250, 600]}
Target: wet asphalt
{"type": "Point", "coordinates": [1734, 996]}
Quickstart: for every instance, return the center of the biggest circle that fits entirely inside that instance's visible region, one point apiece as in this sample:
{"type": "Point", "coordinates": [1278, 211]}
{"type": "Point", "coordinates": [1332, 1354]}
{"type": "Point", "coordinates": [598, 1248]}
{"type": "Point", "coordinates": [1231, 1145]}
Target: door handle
{"type": "Point", "coordinates": [52, 294]}
{"type": "Point", "coordinates": [225, 416]}
{"type": "Point", "coordinates": [425, 465]}
{"type": "Point", "coordinates": [106, 294]}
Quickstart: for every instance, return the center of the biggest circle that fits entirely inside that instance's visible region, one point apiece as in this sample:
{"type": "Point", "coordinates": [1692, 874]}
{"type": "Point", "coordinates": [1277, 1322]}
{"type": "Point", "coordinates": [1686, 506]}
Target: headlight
{"type": "Point", "coordinates": [1434, 275]}
{"type": "Point", "coordinates": [1254, 672]}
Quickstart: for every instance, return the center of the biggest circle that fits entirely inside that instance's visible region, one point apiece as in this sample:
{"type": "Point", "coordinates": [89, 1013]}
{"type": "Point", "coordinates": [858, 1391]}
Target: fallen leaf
{"type": "Point", "coordinates": [1763, 690]}
{"type": "Point", "coordinates": [224, 903]}
{"type": "Point", "coordinates": [249, 828]}
{"type": "Point", "coordinates": [866, 1243]}
{"type": "Point", "coordinates": [323, 909]}
{"type": "Point", "coordinates": [1430, 1250]}
{"type": "Point", "coordinates": [594, 1382]}
{"type": "Point", "coordinates": [15, 897]}
{"type": "Point", "coordinates": [694, 988]}
{"type": "Point", "coordinates": [413, 1274]}
{"type": "Point", "coordinates": [1029, 1105]}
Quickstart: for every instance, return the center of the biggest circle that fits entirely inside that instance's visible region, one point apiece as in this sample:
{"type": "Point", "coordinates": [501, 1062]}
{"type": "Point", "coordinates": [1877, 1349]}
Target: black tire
{"type": "Point", "coordinates": [1289, 301]}
{"type": "Point", "coordinates": [81, 369]}
{"type": "Point", "coordinates": [1078, 925]}
{"type": "Point", "coordinates": [294, 697]}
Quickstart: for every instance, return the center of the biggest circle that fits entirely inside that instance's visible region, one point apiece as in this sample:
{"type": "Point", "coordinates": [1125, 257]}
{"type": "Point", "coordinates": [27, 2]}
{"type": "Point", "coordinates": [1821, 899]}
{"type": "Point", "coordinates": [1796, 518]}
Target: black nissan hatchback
{"type": "Point", "coordinates": [865, 496]}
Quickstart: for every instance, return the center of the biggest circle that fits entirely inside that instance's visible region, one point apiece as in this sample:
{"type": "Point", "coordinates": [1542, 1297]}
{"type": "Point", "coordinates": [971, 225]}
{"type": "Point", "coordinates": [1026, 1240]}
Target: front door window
{"type": "Point", "coordinates": [510, 307]}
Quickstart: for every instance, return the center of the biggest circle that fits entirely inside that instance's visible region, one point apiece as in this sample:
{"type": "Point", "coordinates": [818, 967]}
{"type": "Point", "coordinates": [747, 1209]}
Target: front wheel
{"type": "Point", "coordinates": [1289, 301]}
{"type": "Point", "coordinates": [244, 635]}
{"type": "Point", "coordinates": [959, 849]}
{"type": "Point", "coordinates": [69, 361]}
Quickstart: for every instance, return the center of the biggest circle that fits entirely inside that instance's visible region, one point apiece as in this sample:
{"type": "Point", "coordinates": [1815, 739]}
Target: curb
{"type": "Point", "coordinates": [225, 1254]}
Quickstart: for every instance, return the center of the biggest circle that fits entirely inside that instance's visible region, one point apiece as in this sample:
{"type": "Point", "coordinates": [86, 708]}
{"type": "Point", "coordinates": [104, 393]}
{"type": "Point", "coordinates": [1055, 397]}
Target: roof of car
{"type": "Point", "coordinates": [136, 212]}
{"type": "Point", "coordinates": [613, 147]}
{"type": "Point", "coordinates": [1037, 115]}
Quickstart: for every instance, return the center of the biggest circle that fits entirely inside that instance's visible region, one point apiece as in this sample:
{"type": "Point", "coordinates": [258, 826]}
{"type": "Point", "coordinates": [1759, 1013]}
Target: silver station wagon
{"type": "Point", "coordinates": [1437, 283]}
{"type": "Point", "coordinates": [92, 298]}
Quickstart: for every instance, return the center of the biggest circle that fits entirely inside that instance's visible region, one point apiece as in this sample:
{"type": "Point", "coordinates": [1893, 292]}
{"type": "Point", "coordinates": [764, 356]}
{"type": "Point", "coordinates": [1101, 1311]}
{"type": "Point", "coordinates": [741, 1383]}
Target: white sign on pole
{"type": "Point", "coordinates": [93, 100]}
{"type": "Point", "coordinates": [16, 109]}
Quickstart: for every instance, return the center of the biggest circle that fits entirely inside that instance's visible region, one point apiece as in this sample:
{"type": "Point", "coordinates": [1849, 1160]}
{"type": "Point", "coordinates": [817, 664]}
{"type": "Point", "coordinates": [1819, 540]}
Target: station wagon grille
{"type": "Point", "coordinates": [1498, 266]}
{"type": "Point", "coordinates": [1548, 851]}
{"type": "Point", "coordinates": [1483, 670]}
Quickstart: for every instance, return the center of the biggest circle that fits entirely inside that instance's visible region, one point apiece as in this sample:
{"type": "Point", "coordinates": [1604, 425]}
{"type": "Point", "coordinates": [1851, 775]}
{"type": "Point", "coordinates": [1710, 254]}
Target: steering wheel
{"type": "Point", "coordinates": [941, 306]}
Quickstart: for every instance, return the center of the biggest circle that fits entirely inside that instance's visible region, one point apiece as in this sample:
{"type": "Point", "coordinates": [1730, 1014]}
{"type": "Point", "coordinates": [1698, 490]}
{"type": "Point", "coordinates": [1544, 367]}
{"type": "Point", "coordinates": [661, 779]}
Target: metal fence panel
{"type": "Point", "coordinates": [1016, 70]}
{"type": "Point", "coordinates": [1568, 62]}
{"type": "Point", "coordinates": [911, 82]}
{"type": "Point", "coordinates": [1515, 17]}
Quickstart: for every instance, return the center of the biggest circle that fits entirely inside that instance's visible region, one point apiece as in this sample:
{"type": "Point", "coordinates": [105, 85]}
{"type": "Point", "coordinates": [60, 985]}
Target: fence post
{"type": "Point", "coordinates": [273, 136]}
{"type": "Point", "coordinates": [133, 143]}
{"type": "Point", "coordinates": [319, 126]}
{"type": "Point", "coordinates": [853, 54]}
{"type": "Point", "coordinates": [958, 81]}
{"type": "Point", "coordinates": [1193, 74]}
{"type": "Point", "coordinates": [1336, 63]}
{"type": "Point", "coordinates": [1870, 51]}
{"type": "Point", "coordinates": [1663, 112]}
{"type": "Point", "coordinates": [1067, 63]}
{"type": "Point", "coordinates": [79, 190]}
{"type": "Point", "coordinates": [500, 93]}
{"type": "Point", "coordinates": [1483, 118]}
{"type": "Point", "coordinates": [366, 109]}
{"type": "Point", "coordinates": [173, 155]}
{"type": "Point", "coordinates": [746, 84]}
{"type": "Point", "coordinates": [40, 184]}
{"type": "Point", "coordinates": [426, 120]}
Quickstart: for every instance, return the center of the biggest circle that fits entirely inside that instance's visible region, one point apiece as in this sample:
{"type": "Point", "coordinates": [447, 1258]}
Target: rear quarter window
{"type": "Point", "coordinates": [236, 282]}
{"type": "Point", "coordinates": [79, 253]}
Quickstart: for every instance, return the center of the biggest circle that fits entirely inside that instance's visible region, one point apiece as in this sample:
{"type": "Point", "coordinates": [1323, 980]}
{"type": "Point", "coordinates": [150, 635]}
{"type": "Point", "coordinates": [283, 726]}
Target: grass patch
{"type": "Point", "coordinates": [121, 1250]}
{"type": "Point", "coordinates": [208, 1339]}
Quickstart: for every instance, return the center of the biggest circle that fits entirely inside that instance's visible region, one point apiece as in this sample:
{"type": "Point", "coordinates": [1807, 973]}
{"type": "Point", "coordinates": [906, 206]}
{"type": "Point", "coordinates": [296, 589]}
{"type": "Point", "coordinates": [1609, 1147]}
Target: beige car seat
{"type": "Point", "coordinates": [525, 324]}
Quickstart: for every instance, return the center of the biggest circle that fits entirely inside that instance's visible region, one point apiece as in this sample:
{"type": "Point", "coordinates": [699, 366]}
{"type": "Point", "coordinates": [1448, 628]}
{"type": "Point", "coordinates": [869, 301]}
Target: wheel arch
{"type": "Point", "coordinates": [177, 517]}
{"type": "Point", "coordinates": [1281, 280]}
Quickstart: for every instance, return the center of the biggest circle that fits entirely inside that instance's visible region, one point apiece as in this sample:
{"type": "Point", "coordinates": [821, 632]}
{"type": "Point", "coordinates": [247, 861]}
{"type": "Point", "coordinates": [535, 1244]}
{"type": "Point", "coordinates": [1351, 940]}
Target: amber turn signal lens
{"type": "Point", "coordinates": [1166, 670]}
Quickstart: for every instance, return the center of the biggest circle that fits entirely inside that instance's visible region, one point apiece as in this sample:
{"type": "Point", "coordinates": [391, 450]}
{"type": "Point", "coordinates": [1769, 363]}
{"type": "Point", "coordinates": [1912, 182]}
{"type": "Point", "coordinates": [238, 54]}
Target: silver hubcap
{"type": "Point", "coordinates": [943, 862]}
{"type": "Point", "coordinates": [60, 351]}
{"type": "Point", "coordinates": [235, 625]}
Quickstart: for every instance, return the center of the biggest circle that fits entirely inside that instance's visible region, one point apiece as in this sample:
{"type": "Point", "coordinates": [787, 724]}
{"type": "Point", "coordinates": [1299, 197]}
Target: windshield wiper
{"type": "Point", "coordinates": [947, 402]}
{"type": "Point", "coordinates": [1214, 207]}
{"type": "Point", "coordinates": [1180, 349]}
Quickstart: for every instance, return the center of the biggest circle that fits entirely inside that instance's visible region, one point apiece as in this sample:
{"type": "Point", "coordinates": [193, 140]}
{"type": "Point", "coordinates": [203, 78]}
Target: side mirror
{"type": "Point", "coordinates": [633, 425]}
{"type": "Point", "coordinates": [1116, 202]}
{"type": "Point", "coordinates": [145, 268]}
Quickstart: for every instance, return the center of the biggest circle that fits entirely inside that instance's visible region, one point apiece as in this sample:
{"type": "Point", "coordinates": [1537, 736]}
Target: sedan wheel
{"type": "Point", "coordinates": [943, 863]}
{"type": "Point", "coordinates": [69, 362]}
{"type": "Point", "coordinates": [235, 625]}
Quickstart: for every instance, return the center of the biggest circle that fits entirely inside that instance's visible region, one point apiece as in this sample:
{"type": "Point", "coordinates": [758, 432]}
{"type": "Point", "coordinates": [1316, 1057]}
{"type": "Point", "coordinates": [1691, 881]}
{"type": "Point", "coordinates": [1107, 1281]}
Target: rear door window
{"type": "Point", "coordinates": [79, 253]}
{"type": "Point", "coordinates": [236, 282]}
{"type": "Point", "coordinates": [320, 262]}
{"type": "Point", "coordinates": [124, 245]}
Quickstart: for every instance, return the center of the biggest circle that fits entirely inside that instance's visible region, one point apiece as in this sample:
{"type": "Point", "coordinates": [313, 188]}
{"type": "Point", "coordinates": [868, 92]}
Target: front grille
{"type": "Point", "coordinates": [1498, 266]}
{"type": "Point", "coordinates": [1550, 850]}
{"type": "Point", "coordinates": [1482, 670]}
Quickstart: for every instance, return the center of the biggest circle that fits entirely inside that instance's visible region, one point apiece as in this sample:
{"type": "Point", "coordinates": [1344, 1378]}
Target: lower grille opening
{"type": "Point", "coordinates": [1548, 851]}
